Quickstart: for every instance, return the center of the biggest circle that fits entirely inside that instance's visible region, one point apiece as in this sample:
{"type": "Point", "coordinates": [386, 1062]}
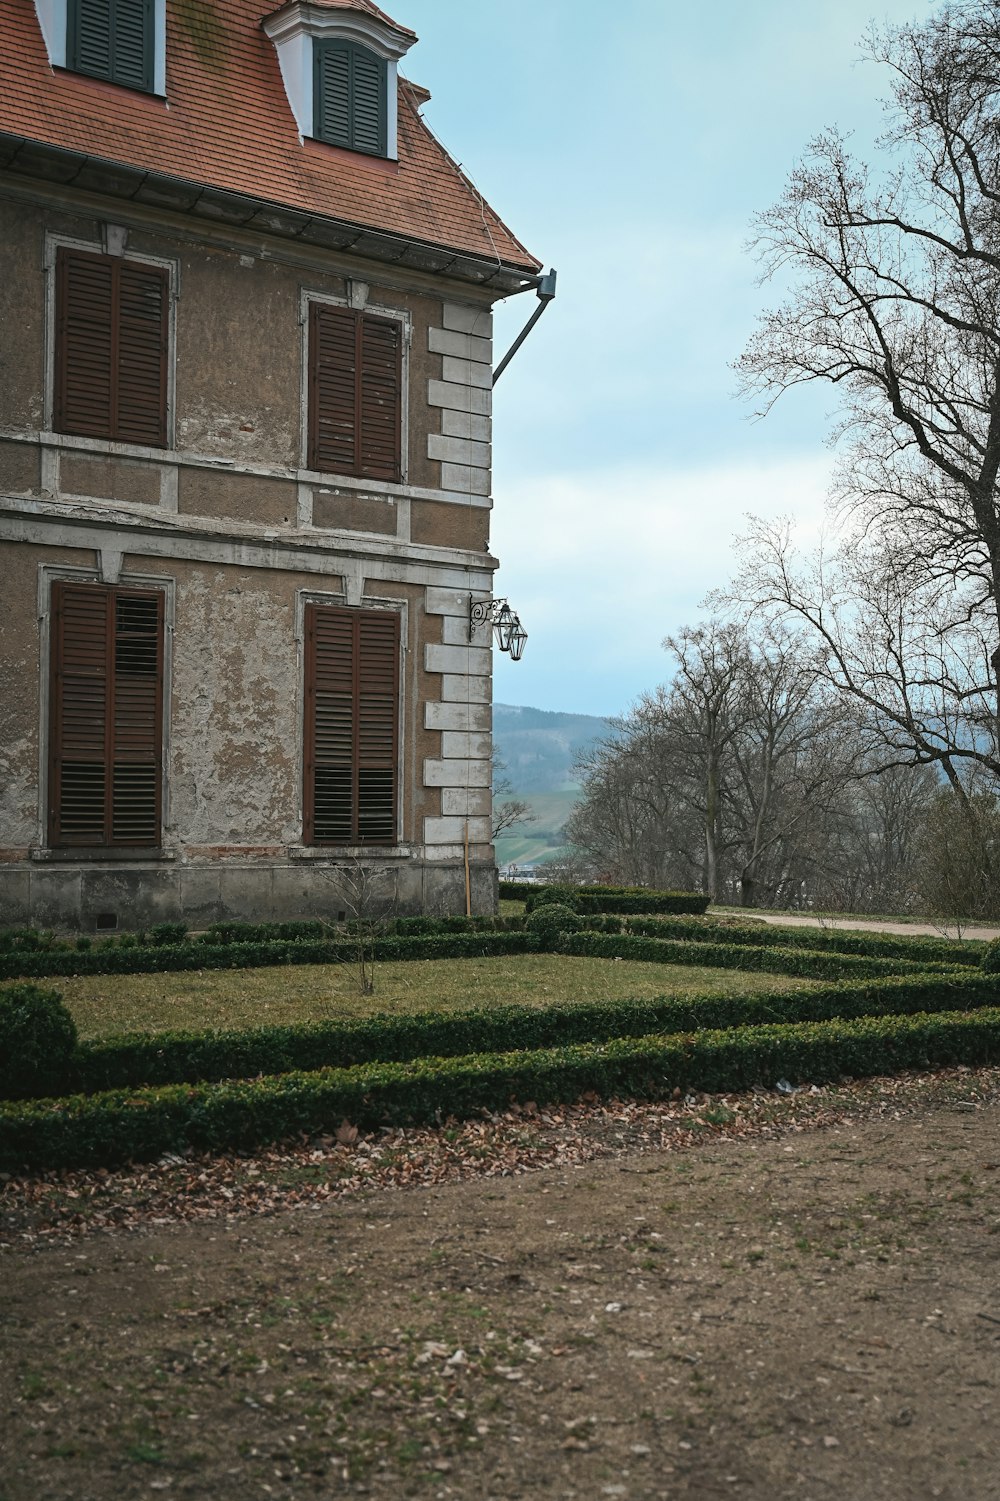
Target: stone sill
{"type": "Point", "coordinates": [350, 852]}
{"type": "Point", "coordinates": [88, 854]}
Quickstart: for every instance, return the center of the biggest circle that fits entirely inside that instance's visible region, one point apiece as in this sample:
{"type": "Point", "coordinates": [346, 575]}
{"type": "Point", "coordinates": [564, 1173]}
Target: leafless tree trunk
{"type": "Point", "coordinates": [896, 303]}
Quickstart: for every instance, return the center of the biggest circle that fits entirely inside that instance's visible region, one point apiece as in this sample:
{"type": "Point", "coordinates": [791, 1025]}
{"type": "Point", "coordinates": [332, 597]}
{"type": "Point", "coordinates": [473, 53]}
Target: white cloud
{"type": "Point", "coordinates": [601, 566]}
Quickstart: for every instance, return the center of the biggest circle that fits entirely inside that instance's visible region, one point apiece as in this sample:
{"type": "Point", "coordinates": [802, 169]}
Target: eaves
{"type": "Point", "coordinates": [49, 164]}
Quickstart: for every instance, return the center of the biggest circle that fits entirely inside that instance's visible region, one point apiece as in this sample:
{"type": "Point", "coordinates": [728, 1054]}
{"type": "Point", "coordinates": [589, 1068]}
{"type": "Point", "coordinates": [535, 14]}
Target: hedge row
{"type": "Point", "coordinates": [196, 955]}
{"type": "Point", "coordinates": [923, 950]}
{"type": "Point", "coordinates": [610, 898]}
{"type": "Point", "coordinates": [798, 963]}
{"type": "Point", "coordinates": [139, 1125]}
{"type": "Point", "coordinates": [187, 1057]}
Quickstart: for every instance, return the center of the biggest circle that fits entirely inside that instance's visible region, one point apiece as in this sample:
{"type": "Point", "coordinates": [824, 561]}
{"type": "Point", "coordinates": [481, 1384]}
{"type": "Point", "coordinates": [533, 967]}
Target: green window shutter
{"type": "Point", "coordinates": [349, 97]}
{"type": "Point", "coordinates": [113, 39]}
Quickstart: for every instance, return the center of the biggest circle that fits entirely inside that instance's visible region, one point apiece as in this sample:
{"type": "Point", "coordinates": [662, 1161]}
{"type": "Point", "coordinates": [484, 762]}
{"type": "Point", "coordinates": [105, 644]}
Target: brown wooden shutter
{"type": "Point", "coordinates": [143, 301]}
{"type": "Point", "coordinates": [85, 293]}
{"type": "Point", "coordinates": [355, 393]}
{"type": "Point", "coordinates": [111, 348]}
{"type": "Point", "coordinates": [351, 726]}
{"type": "Point", "coordinates": [380, 398]}
{"type": "Point", "coordinates": [81, 670]}
{"type": "Point", "coordinates": [378, 689]}
{"type": "Point", "coordinates": [106, 716]}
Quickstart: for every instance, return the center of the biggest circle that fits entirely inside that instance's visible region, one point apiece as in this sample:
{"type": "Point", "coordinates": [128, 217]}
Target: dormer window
{"type": "Point", "coordinates": [338, 64]}
{"type": "Point", "coordinates": [112, 39]}
{"type": "Point", "coordinates": [120, 41]}
{"type": "Point", "coordinates": [350, 97]}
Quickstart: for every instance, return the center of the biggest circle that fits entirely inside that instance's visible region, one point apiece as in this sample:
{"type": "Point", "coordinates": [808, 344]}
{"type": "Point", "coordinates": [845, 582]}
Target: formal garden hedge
{"type": "Point", "coordinates": [193, 954]}
{"type": "Point", "coordinates": [619, 899]}
{"type": "Point", "coordinates": [142, 1124]}
{"type": "Point", "coordinates": [800, 963]}
{"type": "Point", "coordinates": [920, 948]}
{"type": "Point", "coordinates": [139, 1059]}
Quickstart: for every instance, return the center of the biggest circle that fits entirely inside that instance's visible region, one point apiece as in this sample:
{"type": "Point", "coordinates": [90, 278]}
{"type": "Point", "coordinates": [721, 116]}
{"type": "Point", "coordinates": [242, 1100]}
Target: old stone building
{"type": "Point", "coordinates": [245, 382]}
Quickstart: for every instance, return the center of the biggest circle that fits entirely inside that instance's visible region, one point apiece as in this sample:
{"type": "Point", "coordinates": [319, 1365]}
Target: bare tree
{"type": "Point", "coordinates": [730, 778]}
{"type": "Point", "coordinates": [511, 810]}
{"type": "Point", "coordinates": [895, 302]}
{"type": "Point", "coordinates": [363, 890]}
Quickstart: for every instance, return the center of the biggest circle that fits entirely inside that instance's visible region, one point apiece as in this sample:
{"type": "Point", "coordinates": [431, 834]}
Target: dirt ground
{"type": "Point", "coordinates": [812, 1313]}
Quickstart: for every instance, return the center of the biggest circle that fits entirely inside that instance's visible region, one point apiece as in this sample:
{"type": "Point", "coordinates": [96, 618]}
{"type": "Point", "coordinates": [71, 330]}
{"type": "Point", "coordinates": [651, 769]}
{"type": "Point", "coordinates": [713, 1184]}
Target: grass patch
{"type": "Point", "coordinates": [104, 1005]}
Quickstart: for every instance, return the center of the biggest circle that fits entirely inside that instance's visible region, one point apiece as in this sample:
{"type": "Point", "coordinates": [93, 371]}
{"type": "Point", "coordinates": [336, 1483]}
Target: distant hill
{"type": "Point", "coordinates": [539, 747]}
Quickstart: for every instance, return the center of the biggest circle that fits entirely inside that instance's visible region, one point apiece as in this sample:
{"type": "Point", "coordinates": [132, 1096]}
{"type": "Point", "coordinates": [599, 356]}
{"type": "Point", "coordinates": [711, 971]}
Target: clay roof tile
{"type": "Point", "coordinates": [227, 125]}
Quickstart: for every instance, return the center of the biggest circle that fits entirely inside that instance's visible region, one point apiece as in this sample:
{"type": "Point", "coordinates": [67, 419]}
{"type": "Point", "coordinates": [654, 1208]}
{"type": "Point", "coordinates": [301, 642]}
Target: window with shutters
{"type": "Point", "coordinates": [105, 734]}
{"type": "Point", "coordinates": [112, 39]}
{"type": "Point", "coordinates": [350, 97]}
{"type": "Point", "coordinates": [355, 393]}
{"type": "Point", "coordinates": [351, 726]}
{"type": "Point", "coordinates": [111, 341]}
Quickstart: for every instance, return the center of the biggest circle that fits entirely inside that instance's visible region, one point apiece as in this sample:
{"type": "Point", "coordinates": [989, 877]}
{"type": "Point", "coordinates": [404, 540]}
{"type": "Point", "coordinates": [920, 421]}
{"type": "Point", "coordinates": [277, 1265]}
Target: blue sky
{"type": "Point", "coordinates": [629, 146]}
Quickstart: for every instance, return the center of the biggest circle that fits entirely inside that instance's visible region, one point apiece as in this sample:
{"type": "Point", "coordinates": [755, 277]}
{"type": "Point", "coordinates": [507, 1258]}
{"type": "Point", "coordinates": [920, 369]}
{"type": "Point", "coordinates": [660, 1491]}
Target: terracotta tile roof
{"type": "Point", "coordinates": [227, 124]}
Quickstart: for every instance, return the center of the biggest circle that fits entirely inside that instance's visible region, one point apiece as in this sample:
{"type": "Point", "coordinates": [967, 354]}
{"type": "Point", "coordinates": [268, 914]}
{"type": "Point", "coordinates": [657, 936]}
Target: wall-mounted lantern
{"type": "Point", "coordinates": [508, 631]}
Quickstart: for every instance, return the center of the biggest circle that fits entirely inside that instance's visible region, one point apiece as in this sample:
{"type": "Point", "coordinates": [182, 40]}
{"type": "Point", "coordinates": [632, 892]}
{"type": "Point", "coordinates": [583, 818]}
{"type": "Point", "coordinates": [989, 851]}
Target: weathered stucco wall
{"type": "Point", "coordinates": [22, 316]}
{"type": "Point", "coordinates": [232, 828]}
{"type": "Point", "coordinates": [239, 345]}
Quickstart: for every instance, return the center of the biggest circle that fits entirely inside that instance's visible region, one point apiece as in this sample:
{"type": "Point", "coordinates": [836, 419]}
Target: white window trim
{"type": "Point", "coordinates": [53, 18]}
{"type": "Point", "coordinates": [341, 601]}
{"type": "Point", "coordinates": [294, 29]}
{"type": "Point", "coordinates": [396, 315]}
{"type": "Point", "coordinates": [48, 574]}
{"type": "Point", "coordinates": [171, 265]}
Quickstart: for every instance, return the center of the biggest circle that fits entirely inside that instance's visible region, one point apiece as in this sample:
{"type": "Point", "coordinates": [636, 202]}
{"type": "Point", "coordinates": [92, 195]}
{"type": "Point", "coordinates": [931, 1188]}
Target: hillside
{"type": "Point", "coordinates": [539, 747]}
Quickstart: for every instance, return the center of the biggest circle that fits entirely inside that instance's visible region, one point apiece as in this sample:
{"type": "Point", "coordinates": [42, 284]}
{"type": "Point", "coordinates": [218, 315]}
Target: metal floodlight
{"type": "Point", "coordinates": [518, 637]}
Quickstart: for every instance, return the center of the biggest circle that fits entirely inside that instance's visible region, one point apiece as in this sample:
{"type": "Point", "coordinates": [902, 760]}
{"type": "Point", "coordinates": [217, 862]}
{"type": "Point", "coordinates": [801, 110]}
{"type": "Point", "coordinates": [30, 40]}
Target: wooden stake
{"type": "Point", "coordinates": [468, 884]}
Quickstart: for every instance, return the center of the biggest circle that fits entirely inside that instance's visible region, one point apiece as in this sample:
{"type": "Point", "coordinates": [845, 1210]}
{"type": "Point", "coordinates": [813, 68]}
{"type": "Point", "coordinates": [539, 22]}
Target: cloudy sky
{"type": "Point", "coordinates": [629, 145]}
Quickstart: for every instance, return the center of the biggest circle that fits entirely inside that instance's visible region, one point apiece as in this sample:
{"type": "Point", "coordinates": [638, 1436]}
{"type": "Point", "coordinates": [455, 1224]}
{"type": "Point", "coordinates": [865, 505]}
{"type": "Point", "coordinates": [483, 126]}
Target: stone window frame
{"type": "Point", "coordinates": [349, 599]}
{"type": "Point", "coordinates": [113, 241]}
{"type": "Point", "coordinates": [109, 573]}
{"type": "Point", "coordinates": [356, 300]}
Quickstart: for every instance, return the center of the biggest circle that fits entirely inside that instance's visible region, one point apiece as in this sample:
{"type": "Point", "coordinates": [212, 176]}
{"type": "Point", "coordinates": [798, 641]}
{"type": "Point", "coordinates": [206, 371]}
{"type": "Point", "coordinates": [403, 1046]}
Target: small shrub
{"type": "Point", "coordinates": [552, 919]}
{"type": "Point", "coordinates": [543, 896]}
{"type": "Point", "coordinates": [25, 940]}
{"type": "Point", "coordinates": [991, 957]}
{"type": "Point", "coordinates": [37, 1042]}
{"type": "Point", "coordinates": [168, 932]}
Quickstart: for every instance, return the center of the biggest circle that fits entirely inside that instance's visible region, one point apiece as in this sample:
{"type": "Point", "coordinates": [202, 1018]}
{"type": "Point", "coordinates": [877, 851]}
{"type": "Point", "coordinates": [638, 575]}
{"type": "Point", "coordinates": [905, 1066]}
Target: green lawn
{"type": "Point", "coordinates": [106, 1004]}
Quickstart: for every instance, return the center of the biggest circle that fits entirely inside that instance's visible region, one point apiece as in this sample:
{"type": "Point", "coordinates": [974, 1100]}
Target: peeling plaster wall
{"type": "Point", "coordinates": [237, 356]}
{"type": "Point", "coordinates": [233, 727]}
{"type": "Point", "coordinates": [234, 710]}
{"type": "Point", "coordinates": [22, 316]}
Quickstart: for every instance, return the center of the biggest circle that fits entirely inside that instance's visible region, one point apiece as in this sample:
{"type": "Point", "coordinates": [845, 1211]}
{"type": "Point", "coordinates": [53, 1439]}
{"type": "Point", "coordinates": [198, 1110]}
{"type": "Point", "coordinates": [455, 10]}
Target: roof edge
{"type": "Point", "coordinates": [25, 157]}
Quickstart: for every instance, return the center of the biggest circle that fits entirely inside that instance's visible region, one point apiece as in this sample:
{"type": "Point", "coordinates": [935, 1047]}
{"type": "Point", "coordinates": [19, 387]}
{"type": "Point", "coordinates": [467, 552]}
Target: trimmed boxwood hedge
{"type": "Point", "coordinates": [124, 960]}
{"type": "Point", "coordinates": [801, 963]}
{"type": "Point", "coordinates": [923, 950]}
{"type": "Point", "coordinates": [139, 1059]}
{"type": "Point", "coordinates": [143, 1124]}
{"type": "Point", "coordinates": [607, 898]}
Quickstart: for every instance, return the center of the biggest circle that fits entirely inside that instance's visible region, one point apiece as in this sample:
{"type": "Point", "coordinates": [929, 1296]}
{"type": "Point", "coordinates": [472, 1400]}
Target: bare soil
{"type": "Point", "coordinates": [810, 1310]}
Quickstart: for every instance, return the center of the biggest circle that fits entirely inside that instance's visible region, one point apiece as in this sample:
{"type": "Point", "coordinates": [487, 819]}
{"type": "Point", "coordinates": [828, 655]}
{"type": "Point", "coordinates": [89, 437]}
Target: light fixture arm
{"type": "Point", "coordinates": [508, 631]}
